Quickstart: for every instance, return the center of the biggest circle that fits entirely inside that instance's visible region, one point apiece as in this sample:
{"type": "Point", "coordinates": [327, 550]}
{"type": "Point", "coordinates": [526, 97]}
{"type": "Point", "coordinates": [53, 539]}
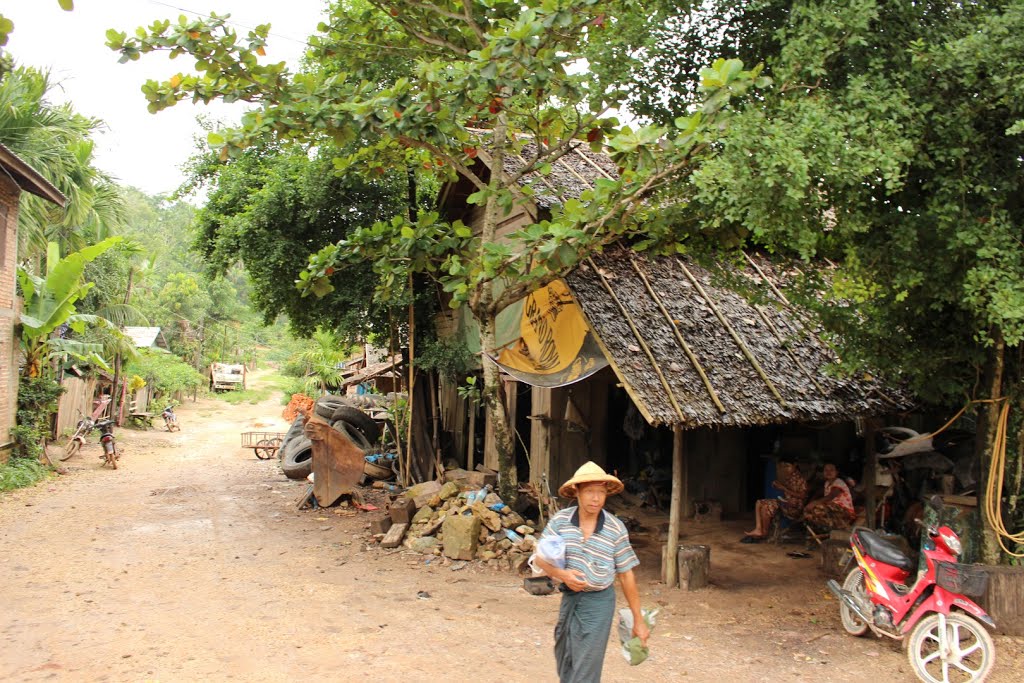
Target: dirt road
{"type": "Point", "coordinates": [190, 563]}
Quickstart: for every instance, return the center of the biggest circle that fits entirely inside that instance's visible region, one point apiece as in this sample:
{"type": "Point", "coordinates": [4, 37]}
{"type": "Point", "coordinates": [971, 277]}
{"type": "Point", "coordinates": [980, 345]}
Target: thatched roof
{"type": "Point", "coordinates": [571, 174]}
{"type": "Point", "coordinates": [692, 351]}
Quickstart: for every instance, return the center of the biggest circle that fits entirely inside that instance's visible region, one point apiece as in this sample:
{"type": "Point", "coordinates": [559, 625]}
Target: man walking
{"type": "Point", "coordinates": [597, 550]}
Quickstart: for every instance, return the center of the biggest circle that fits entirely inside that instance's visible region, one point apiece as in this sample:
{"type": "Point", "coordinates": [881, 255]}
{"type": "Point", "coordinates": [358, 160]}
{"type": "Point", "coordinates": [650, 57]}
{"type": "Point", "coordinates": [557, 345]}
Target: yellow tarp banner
{"type": "Point", "coordinates": [554, 345]}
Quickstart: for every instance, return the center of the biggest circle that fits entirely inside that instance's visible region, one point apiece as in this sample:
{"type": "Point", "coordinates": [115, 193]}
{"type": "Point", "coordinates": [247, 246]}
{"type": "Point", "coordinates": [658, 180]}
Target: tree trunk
{"type": "Point", "coordinates": [494, 401]}
{"type": "Point", "coordinates": [486, 314]}
{"type": "Point", "coordinates": [985, 442]}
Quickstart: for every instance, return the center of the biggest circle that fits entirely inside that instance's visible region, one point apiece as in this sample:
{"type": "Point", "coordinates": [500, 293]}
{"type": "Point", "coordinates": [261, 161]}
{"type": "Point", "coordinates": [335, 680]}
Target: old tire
{"type": "Point", "coordinates": [354, 434]}
{"type": "Point", "coordinates": [327, 404]}
{"type": "Point", "coordinates": [297, 461]}
{"type": "Point", "coordinates": [854, 583]}
{"type": "Point", "coordinates": [970, 655]}
{"type": "Point", "coordinates": [358, 419]}
{"type": "Point", "coordinates": [294, 432]}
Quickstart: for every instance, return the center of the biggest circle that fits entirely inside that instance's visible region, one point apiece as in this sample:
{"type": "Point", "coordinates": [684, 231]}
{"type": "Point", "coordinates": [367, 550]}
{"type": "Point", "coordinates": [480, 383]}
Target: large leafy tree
{"type": "Point", "coordinates": [270, 208]}
{"type": "Point", "coordinates": [480, 81]}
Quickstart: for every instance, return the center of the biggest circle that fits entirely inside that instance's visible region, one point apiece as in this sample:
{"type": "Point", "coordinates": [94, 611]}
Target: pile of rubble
{"type": "Point", "coordinates": [462, 519]}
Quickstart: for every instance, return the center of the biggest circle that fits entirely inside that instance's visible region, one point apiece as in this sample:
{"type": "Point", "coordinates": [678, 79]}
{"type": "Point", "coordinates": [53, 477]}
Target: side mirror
{"type": "Point", "coordinates": [935, 503]}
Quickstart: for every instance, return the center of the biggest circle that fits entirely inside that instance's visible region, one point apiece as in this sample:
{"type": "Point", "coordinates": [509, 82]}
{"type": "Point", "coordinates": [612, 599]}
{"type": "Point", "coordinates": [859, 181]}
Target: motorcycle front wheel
{"type": "Point", "coordinates": [964, 653]}
{"type": "Point", "coordinates": [854, 583]}
{"type": "Point", "coordinates": [71, 448]}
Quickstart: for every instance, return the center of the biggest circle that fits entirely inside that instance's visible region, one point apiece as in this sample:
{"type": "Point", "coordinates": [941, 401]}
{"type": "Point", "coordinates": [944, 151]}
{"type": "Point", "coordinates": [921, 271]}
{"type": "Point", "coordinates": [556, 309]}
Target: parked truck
{"type": "Point", "coordinates": [227, 377]}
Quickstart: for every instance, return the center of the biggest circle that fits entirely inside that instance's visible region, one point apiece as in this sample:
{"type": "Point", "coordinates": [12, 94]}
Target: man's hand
{"type": "Point", "coordinates": [573, 579]}
{"type": "Point", "coordinates": [640, 630]}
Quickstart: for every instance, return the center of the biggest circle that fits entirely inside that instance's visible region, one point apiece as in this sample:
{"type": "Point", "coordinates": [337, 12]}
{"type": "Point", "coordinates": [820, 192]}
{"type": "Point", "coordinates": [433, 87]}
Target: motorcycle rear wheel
{"type": "Point", "coordinates": [969, 655]}
{"type": "Point", "coordinates": [854, 583]}
{"type": "Point", "coordinates": [110, 455]}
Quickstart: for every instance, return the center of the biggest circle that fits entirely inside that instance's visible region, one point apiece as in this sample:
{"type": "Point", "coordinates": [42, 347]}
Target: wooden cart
{"type": "Point", "coordinates": [264, 444]}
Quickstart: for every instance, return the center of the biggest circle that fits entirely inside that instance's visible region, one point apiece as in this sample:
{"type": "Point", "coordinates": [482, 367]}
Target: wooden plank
{"type": "Point", "coordinates": [393, 538]}
{"type": "Point", "coordinates": [1004, 598]}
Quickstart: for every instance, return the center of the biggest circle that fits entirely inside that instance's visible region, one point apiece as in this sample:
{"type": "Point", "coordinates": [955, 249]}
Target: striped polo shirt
{"type": "Point", "coordinates": [606, 553]}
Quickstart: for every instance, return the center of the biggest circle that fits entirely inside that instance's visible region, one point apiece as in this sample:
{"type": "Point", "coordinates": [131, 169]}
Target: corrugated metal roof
{"type": "Point", "coordinates": [144, 337]}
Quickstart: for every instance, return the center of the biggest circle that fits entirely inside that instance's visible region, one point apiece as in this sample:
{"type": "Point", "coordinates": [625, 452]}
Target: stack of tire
{"type": "Point", "coordinates": [296, 450]}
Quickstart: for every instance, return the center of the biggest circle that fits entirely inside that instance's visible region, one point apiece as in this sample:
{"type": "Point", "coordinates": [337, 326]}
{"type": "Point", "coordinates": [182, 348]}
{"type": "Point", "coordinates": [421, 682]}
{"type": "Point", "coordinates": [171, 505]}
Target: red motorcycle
{"type": "Point", "coordinates": [945, 637]}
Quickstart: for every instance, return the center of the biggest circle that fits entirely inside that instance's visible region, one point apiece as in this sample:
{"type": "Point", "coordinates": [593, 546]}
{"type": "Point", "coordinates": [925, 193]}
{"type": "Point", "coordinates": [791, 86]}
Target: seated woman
{"type": "Point", "coordinates": [834, 510]}
{"type": "Point", "coordinates": [791, 504]}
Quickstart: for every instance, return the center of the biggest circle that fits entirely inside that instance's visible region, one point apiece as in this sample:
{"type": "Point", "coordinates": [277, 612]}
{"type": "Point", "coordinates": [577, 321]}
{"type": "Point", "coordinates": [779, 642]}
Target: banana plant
{"type": "Point", "coordinates": [50, 303]}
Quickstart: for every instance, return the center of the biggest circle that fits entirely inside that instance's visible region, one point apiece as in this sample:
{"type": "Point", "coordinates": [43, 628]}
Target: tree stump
{"type": "Point", "coordinates": [694, 562]}
{"type": "Point", "coordinates": [835, 554]}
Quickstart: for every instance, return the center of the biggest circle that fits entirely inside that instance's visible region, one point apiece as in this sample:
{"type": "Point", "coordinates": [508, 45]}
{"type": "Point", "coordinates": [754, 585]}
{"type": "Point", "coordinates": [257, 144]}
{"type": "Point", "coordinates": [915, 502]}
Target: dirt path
{"type": "Point", "coordinates": [190, 563]}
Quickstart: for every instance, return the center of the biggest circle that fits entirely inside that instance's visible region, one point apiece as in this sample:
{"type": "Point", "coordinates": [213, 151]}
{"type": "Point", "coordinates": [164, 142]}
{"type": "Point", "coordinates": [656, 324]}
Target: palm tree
{"type": "Point", "coordinates": [323, 362]}
{"type": "Point", "coordinates": [55, 140]}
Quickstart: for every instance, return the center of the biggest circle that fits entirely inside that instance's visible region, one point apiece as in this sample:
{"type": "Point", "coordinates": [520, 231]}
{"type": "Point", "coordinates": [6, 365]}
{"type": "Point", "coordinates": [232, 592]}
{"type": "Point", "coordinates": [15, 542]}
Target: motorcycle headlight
{"type": "Point", "coordinates": [953, 543]}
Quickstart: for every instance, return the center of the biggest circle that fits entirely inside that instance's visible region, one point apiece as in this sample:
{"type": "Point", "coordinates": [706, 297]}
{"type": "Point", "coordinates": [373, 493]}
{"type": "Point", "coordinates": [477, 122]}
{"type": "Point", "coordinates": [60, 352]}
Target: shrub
{"type": "Point", "coordinates": [37, 403]}
{"type": "Point", "coordinates": [22, 472]}
{"type": "Point", "coordinates": [165, 372]}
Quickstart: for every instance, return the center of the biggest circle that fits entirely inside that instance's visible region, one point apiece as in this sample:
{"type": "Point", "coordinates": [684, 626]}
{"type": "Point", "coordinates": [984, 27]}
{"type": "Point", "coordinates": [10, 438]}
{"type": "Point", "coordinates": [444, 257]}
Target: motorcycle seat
{"type": "Point", "coordinates": [882, 550]}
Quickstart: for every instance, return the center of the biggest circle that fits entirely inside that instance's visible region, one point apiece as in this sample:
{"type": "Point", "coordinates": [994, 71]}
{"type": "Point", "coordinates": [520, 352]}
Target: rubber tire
{"type": "Point", "coordinates": [326, 405]}
{"type": "Point", "coordinates": [297, 462]}
{"type": "Point", "coordinates": [358, 419]}
{"type": "Point", "coordinates": [354, 434]}
{"type": "Point", "coordinates": [930, 624]}
{"type": "Point", "coordinates": [852, 624]}
{"type": "Point", "coordinates": [73, 447]}
{"type": "Point", "coordinates": [294, 432]}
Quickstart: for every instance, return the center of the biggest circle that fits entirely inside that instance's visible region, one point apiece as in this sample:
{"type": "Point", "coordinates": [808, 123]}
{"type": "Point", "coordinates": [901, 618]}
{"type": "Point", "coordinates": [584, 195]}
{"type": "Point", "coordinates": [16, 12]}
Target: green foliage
{"type": "Point", "coordinates": [269, 208]}
{"type": "Point", "coordinates": [57, 142]}
{"type": "Point", "coordinates": [448, 357]}
{"type": "Point", "coordinates": [164, 372]}
{"type": "Point", "coordinates": [887, 146]}
{"type": "Point", "coordinates": [21, 473]}
{"type": "Point", "coordinates": [50, 303]}
{"type": "Point", "coordinates": [37, 404]}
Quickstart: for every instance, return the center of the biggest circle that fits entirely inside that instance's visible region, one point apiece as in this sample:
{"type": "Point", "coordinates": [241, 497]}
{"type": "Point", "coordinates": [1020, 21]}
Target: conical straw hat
{"type": "Point", "coordinates": [587, 473]}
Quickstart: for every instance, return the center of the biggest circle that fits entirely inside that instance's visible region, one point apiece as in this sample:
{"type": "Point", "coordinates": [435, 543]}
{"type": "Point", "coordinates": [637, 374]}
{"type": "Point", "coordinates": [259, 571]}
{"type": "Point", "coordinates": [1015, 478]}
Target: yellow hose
{"type": "Point", "coordinates": [994, 488]}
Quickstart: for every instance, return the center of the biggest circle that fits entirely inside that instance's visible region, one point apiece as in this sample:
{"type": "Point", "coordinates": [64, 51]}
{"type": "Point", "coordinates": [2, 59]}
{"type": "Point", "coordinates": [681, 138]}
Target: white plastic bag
{"type": "Point", "coordinates": [632, 650]}
{"type": "Point", "coordinates": [551, 549]}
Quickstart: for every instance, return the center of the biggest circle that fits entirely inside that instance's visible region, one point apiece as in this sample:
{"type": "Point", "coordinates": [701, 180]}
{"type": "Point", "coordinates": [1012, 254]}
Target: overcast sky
{"type": "Point", "coordinates": [138, 148]}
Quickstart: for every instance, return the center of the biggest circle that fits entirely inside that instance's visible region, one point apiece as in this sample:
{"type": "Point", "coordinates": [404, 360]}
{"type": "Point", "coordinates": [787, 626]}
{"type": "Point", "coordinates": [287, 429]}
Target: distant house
{"type": "Point", "coordinates": [146, 337]}
{"type": "Point", "coordinates": [17, 177]}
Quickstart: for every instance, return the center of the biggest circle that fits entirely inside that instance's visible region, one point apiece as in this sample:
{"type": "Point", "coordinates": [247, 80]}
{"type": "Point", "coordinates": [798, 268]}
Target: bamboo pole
{"type": "Point", "coordinates": [412, 384]}
{"type": "Point", "coordinates": [640, 340]}
{"type": "Point", "coordinates": [679, 337]}
{"type": "Point", "coordinates": [735, 336]}
{"type": "Point", "coordinates": [675, 508]}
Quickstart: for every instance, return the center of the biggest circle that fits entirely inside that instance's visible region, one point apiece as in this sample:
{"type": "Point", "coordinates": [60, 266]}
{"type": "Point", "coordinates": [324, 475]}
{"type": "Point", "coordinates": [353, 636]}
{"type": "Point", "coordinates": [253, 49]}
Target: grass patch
{"type": "Point", "coordinates": [21, 472]}
{"type": "Point", "coordinates": [245, 396]}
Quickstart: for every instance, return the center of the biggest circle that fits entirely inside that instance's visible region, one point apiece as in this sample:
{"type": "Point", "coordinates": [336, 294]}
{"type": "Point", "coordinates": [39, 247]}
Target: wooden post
{"type": "Point", "coordinates": [870, 465]}
{"type": "Point", "coordinates": [675, 509]}
{"type": "Point", "coordinates": [471, 444]}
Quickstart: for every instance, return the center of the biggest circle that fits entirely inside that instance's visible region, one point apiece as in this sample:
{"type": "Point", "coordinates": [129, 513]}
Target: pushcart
{"type": "Point", "coordinates": [264, 444]}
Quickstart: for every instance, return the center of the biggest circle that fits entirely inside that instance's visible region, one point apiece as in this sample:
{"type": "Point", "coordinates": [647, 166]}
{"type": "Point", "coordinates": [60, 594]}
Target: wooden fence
{"type": "Point", "coordinates": [77, 398]}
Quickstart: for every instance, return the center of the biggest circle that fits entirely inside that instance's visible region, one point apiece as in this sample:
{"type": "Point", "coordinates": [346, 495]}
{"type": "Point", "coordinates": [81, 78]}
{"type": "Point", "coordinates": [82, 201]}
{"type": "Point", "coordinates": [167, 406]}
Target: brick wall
{"type": "Point", "coordinates": [9, 194]}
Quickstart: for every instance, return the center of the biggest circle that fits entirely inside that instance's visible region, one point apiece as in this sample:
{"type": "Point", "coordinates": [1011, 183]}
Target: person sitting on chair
{"type": "Point", "coordinates": [791, 503]}
{"type": "Point", "coordinates": [834, 510]}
